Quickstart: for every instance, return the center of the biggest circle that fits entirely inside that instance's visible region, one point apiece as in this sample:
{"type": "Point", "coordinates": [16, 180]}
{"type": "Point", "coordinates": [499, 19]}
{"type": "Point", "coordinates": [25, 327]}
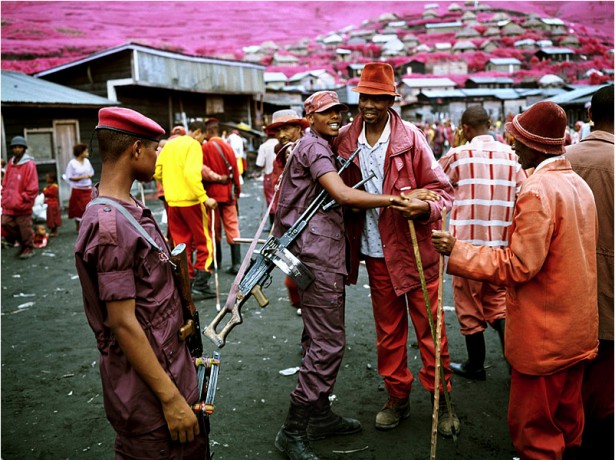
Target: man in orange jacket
{"type": "Point", "coordinates": [552, 313]}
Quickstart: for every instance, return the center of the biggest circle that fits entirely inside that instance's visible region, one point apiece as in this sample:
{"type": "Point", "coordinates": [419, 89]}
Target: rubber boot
{"type": "Point", "coordinates": [292, 438]}
{"type": "Point", "coordinates": [200, 285]}
{"type": "Point", "coordinates": [219, 254]}
{"type": "Point", "coordinates": [499, 325]}
{"type": "Point", "coordinates": [473, 368]}
{"type": "Point", "coordinates": [235, 259]}
{"type": "Point", "coordinates": [324, 422]}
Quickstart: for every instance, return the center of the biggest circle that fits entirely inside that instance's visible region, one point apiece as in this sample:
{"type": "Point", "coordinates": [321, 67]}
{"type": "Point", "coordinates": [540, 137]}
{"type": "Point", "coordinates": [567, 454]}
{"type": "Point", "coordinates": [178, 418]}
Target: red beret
{"type": "Point", "coordinates": [128, 121]}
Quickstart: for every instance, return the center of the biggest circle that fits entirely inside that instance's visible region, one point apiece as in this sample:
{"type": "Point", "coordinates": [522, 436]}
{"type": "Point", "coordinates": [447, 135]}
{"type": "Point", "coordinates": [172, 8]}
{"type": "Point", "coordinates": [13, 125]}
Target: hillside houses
{"type": "Point", "coordinates": [444, 58]}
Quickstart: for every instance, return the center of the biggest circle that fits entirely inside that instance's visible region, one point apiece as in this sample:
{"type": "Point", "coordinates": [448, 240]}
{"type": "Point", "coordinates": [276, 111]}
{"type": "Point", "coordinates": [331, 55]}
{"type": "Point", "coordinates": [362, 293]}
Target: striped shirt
{"type": "Point", "coordinates": [486, 176]}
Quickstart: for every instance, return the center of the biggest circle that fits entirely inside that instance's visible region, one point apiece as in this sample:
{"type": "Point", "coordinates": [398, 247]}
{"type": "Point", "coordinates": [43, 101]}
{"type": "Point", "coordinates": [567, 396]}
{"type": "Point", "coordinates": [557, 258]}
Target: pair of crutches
{"type": "Point", "coordinates": [436, 333]}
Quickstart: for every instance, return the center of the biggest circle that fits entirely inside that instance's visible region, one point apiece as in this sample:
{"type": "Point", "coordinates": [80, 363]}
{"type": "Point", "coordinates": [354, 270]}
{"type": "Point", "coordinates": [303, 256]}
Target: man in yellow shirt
{"type": "Point", "coordinates": [178, 169]}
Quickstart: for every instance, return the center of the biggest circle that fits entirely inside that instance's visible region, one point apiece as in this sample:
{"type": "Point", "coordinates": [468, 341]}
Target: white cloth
{"type": "Point", "coordinates": [266, 155]}
{"type": "Point", "coordinates": [75, 169]}
{"type": "Point", "coordinates": [236, 143]}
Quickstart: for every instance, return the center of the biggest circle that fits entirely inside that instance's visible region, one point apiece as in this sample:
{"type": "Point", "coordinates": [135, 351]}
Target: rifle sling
{"type": "Point", "coordinates": [129, 217]}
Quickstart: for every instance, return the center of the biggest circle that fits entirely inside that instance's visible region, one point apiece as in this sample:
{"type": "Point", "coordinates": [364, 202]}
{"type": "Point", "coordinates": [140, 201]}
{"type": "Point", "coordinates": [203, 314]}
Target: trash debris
{"type": "Point", "coordinates": [21, 294]}
{"type": "Point", "coordinates": [68, 375]}
{"type": "Point", "coordinates": [366, 286]}
{"type": "Point", "coordinates": [350, 451]}
{"type": "Point", "coordinates": [70, 393]}
{"type": "Point", "coordinates": [48, 254]}
{"type": "Point", "coordinates": [17, 276]}
{"type": "Point", "coordinates": [448, 308]}
{"type": "Point", "coordinates": [25, 305]}
{"type": "Point", "coordinates": [289, 371]}
{"type": "Point", "coordinates": [74, 277]}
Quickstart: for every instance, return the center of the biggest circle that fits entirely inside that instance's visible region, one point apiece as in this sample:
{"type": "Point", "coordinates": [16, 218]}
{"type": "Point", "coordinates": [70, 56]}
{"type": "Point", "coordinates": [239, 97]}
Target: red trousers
{"type": "Point", "coordinates": [190, 225]}
{"type": "Point", "coordinates": [477, 304]}
{"type": "Point", "coordinates": [225, 215]}
{"type": "Point", "coordinates": [545, 413]}
{"type": "Point", "coordinates": [391, 318]}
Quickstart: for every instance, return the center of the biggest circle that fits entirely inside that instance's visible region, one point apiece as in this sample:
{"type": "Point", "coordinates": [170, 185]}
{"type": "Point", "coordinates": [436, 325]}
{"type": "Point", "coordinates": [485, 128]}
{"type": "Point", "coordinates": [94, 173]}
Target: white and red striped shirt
{"type": "Point", "coordinates": [486, 176]}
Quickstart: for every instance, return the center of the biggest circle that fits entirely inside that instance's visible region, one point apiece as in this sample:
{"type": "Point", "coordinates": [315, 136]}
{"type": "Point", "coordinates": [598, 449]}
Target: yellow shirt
{"type": "Point", "coordinates": [178, 169]}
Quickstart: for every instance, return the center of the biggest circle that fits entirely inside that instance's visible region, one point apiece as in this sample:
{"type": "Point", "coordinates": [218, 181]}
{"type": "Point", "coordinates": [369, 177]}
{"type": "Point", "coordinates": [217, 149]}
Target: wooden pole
{"type": "Point", "coordinates": [419, 264]}
{"type": "Point", "coordinates": [436, 400]}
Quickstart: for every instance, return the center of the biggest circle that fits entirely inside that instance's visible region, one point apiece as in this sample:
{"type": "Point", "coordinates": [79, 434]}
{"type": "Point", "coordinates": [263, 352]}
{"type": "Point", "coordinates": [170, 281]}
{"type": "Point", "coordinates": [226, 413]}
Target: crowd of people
{"type": "Point", "coordinates": [523, 210]}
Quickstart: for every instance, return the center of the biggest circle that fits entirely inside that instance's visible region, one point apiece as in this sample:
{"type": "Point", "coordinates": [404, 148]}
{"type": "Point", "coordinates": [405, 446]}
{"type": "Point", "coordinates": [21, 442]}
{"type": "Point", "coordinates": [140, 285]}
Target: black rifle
{"type": "Point", "coordinates": [273, 253]}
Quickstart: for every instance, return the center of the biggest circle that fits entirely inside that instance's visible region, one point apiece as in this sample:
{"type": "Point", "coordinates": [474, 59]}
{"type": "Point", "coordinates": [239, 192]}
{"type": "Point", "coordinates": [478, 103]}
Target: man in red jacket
{"type": "Point", "coordinates": [398, 153]}
{"type": "Point", "coordinates": [220, 158]}
{"type": "Point", "coordinates": [19, 189]}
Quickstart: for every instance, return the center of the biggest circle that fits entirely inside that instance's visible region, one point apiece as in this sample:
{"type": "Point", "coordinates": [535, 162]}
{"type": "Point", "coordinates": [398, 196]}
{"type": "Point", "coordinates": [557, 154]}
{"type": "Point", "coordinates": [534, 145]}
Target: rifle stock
{"type": "Point", "coordinates": [191, 330]}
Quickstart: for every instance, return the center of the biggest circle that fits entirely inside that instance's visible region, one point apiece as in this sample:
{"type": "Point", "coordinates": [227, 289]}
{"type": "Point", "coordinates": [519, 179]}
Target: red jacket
{"type": "Point", "coordinates": [409, 164]}
{"type": "Point", "coordinates": [20, 187]}
{"type": "Point", "coordinates": [212, 158]}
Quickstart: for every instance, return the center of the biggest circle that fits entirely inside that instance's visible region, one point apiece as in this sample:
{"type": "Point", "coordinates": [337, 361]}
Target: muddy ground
{"type": "Point", "coordinates": [51, 392]}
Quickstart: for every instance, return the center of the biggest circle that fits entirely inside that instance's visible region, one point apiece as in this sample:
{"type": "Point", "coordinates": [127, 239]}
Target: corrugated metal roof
{"type": "Point", "coordinates": [576, 95]}
{"type": "Point", "coordinates": [19, 88]}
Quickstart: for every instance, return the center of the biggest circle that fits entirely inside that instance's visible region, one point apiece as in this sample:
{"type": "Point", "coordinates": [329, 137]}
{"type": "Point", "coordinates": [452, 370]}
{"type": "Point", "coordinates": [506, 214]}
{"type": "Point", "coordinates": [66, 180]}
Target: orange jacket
{"type": "Point", "coordinates": [549, 269]}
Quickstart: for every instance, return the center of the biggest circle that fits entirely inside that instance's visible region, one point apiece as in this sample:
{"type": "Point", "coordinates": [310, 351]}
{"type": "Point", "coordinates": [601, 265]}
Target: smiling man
{"type": "Point", "coordinates": [321, 247]}
{"type": "Point", "coordinates": [398, 153]}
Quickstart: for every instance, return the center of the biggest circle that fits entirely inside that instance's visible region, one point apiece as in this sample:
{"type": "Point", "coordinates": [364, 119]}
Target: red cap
{"type": "Point", "coordinates": [128, 121]}
{"type": "Point", "coordinates": [542, 127]}
{"type": "Point", "coordinates": [321, 101]}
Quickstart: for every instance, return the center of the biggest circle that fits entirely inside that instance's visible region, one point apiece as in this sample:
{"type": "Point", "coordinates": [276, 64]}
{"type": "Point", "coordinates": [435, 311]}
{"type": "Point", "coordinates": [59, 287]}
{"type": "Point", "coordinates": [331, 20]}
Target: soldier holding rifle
{"type": "Point", "coordinates": [149, 380]}
{"type": "Point", "coordinates": [321, 247]}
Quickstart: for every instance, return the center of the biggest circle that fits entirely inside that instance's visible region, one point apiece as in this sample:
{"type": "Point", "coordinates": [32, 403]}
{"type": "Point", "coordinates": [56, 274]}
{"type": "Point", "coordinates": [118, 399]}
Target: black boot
{"type": "Point", "coordinates": [235, 259]}
{"type": "Point", "coordinates": [324, 422]}
{"type": "Point", "coordinates": [499, 325]}
{"type": "Point", "coordinates": [292, 438]}
{"type": "Point", "coordinates": [219, 254]}
{"type": "Point", "coordinates": [473, 368]}
{"type": "Point", "coordinates": [200, 285]}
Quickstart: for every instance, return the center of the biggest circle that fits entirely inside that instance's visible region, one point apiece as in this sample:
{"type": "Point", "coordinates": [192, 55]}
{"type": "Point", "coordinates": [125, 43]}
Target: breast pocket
{"type": "Point", "coordinates": [403, 179]}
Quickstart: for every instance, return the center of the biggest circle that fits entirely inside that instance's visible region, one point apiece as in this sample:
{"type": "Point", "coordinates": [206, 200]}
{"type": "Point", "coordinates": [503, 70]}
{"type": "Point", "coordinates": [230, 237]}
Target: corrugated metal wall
{"type": "Point", "coordinates": [191, 75]}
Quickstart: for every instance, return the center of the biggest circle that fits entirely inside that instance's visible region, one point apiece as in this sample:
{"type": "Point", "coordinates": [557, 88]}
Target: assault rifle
{"type": "Point", "coordinates": [191, 330]}
{"type": "Point", "coordinates": [274, 252]}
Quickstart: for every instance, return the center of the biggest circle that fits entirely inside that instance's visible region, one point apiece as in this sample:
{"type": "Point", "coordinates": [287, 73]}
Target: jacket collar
{"type": "Point", "coordinates": [599, 136]}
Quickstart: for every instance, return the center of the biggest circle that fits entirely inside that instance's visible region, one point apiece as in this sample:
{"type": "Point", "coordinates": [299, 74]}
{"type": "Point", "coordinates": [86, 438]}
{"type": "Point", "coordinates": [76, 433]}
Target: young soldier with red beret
{"type": "Point", "coordinates": [549, 270]}
{"type": "Point", "coordinates": [132, 304]}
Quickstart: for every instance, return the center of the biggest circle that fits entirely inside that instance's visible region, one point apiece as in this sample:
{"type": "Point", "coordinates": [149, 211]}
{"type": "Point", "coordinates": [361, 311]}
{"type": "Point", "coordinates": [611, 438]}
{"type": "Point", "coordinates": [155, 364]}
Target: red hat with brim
{"type": "Point", "coordinates": [542, 127]}
{"type": "Point", "coordinates": [377, 78]}
{"type": "Point", "coordinates": [128, 121]}
{"type": "Point", "coordinates": [283, 118]}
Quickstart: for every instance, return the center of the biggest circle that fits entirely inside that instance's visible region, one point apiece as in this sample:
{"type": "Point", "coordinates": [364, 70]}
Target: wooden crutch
{"type": "Point", "coordinates": [438, 341]}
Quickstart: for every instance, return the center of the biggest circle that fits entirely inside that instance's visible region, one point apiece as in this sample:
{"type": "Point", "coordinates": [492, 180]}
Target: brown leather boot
{"type": "Point", "coordinates": [394, 411]}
